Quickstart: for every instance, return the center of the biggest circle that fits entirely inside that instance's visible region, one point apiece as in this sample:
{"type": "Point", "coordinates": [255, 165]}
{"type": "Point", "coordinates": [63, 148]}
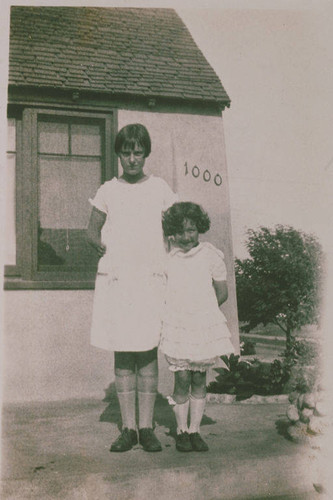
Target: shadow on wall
{"type": "Point", "coordinates": [163, 414]}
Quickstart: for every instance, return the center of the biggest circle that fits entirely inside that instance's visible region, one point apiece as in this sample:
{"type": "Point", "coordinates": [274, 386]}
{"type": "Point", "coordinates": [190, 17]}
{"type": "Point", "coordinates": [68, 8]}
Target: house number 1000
{"type": "Point", "coordinates": [207, 176]}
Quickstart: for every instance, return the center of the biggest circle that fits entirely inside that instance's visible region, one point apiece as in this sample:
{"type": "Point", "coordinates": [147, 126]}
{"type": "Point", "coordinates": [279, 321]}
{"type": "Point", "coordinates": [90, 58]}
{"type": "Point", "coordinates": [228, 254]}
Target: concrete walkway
{"type": "Point", "coordinates": [60, 450]}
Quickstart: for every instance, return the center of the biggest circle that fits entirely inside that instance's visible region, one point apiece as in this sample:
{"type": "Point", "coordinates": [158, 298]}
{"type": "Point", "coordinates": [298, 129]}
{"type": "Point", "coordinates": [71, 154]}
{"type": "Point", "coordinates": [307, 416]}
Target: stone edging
{"type": "Point", "coordinates": [255, 399]}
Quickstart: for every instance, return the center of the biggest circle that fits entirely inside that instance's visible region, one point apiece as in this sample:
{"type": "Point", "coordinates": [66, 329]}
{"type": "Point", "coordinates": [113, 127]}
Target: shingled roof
{"type": "Point", "coordinates": [122, 51]}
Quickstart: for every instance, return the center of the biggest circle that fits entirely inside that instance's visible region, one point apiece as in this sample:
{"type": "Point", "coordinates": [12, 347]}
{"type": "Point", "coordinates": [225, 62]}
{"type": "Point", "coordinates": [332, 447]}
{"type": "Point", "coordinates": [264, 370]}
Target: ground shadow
{"type": "Point", "coordinates": [163, 414]}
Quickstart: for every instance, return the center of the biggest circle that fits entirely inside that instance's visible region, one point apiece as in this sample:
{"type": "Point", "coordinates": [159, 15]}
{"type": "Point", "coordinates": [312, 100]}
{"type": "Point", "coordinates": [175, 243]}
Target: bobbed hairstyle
{"type": "Point", "coordinates": [132, 135]}
{"type": "Point", "coordinates": [173, 219]}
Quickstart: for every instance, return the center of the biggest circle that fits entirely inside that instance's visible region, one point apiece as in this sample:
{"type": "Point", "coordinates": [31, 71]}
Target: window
{"type": "Point", "coordinates": [63, 160]}
{"type": "Point", "coordinates": [10, 222]}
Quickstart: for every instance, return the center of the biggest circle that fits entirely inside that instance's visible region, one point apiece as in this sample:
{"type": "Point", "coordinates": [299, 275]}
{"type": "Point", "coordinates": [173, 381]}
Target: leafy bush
{"type": "Point", "coordinates": [303, 363]}
{"type": "Point", "coordinates": [247, 377]}
{"type": "Point", "coordinates": [247, 347]}
{"type": "Point", "coordinates": [303, 352]}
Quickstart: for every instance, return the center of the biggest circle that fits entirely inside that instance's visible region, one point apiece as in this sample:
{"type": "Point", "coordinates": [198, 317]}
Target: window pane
{"type": "Point", "coordinates": [53, 138]}
{"type": "Point", "coordinates": [61, 247]}
{"type": "Point", "coordinates": [85, 140]}
{"type": "Point", "coordinates": [65, 185]}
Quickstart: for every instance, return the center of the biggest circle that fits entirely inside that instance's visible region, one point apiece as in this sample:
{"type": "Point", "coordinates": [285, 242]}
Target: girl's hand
{"type": "Point", "coordinates": [98, 246]}
{"type": "Point", "coordinates": [101, 249]}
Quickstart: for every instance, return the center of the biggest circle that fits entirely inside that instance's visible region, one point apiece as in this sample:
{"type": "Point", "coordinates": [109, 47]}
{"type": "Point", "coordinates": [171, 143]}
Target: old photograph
{"type": "Point", "coordinates": [166, 201]}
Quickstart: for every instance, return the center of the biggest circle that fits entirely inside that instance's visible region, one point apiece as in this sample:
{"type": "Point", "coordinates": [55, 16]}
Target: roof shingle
{"type": "Point", "coordinates": [146, 52]}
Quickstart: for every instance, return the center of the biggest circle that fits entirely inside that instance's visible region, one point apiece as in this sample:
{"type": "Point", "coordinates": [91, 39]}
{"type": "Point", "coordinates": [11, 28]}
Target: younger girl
{"type": "Point", "coordinates": [194, 330]}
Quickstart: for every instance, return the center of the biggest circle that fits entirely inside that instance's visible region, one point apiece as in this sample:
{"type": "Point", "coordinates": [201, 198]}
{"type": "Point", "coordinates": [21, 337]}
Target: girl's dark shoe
{"type": "Point", "coordinates": [127, 439]}
{"type": "Point", "coordinates": [198, 444]}
{"type": "Point", "coordinates": [148, 440]}
{"type": "Point", "coordinates": [183, 442]}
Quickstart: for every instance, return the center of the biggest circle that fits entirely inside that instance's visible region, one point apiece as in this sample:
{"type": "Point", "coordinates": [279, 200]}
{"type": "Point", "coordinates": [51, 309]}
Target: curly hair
{"type": "Point", "coordinates": [173, 218]}
{"type": "Point", "coordinates": [132, 135]}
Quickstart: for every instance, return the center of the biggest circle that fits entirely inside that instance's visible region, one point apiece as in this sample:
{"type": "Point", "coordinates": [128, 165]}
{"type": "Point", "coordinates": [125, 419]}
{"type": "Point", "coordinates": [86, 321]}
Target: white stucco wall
{"type": "Point", "coordinates": [46, 350]}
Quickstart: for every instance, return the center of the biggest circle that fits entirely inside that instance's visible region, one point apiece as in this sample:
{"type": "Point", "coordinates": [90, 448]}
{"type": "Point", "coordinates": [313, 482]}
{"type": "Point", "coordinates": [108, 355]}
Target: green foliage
{"type": "Point", "coordinates": [247, 377]}
{"type": "Point", "coordinates": [247, 347]}
{"type": "Point", "coordinates": [280, 282]}
{"type": "Point", "coordinates": [302, 352]}
{"type": "Point", "coordinates": [303, 363]}
{"type": "Point", "coordinates": [302, 379]}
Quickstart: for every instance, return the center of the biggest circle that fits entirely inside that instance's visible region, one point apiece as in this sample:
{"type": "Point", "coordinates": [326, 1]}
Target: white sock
{"type": "Point", "coordinates": [127, 408]}
{"type": "Point", "coordinates": [197, 407]}
{"type": "Point", "coordinates": [181, 414]}
{"type": "Point", "coordinates": [146, 409]}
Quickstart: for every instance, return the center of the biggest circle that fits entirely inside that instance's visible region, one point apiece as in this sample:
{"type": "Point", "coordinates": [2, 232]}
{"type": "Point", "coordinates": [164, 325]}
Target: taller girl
{"type": "Point", "coordinates": [125, 229]}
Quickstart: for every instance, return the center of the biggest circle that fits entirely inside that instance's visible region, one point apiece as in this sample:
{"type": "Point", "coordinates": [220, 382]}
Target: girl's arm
{"type": "Point", "coordinates": [221, 290]}
{"type": "Point", "coordinates": [96, 222]}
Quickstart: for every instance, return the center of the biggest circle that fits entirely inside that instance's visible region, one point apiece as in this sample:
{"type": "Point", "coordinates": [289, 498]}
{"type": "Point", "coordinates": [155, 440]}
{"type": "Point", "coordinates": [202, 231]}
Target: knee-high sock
{"type": "Point", "coordinates": [147, 390]}
{"type": "Point", "coordinates": [146, 409]}
{"type": "Point", "coordinates": [181, 413]}
{"type": "Point", "coordinates": [197, 407]}
{"type": "Point", "coordinates": [125, 386]}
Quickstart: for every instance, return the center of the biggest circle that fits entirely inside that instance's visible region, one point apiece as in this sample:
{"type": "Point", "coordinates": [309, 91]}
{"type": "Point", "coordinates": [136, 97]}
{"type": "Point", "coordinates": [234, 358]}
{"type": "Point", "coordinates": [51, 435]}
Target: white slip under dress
{"type": "Point", "coordinates": [194, 329]}
{"type": "Point", "coordinates": [130, 281]}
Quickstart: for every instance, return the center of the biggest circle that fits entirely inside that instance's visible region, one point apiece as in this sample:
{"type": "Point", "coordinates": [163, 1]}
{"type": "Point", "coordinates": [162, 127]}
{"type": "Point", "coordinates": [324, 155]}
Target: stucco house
{"type": "Point", "coordinates": [76, 76]}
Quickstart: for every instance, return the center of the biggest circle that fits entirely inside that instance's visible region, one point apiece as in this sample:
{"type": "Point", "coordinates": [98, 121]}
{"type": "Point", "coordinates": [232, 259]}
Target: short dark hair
{"type": "Point", "coordinates": [173, 218]}
{"type": "Point", "coordinates": [133, 134]}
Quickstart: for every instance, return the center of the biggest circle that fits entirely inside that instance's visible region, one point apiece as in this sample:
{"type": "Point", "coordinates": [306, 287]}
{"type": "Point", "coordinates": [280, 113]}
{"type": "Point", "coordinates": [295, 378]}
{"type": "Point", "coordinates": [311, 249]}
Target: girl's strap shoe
{"type": "Point", "coordinates": [198, 444]}
{"type": "Point", "coordinates": [148, 440]}
{"type": "Point", "coordinates": [183, 442]}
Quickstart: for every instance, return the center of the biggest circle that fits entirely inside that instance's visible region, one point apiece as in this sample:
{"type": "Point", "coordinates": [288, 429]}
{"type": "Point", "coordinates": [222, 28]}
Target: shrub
{"type": "Point", "coordinates": [281, 281]}
{"type": "Point", "coordinates": [296, 370]}
{"type": "Point", "coordinates": [247, 347]}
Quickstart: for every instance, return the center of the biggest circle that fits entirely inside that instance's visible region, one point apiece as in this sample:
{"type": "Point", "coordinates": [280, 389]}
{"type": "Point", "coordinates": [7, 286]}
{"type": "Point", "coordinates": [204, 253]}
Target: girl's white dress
{"type": "Point", "coordinates": [194, 328]}
{"type": "Point", "coordinates": [130, 281]}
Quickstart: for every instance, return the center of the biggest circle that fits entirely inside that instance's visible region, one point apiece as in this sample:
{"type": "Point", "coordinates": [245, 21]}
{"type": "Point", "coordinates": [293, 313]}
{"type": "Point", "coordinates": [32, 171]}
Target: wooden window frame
{"type": "Point", "coordinates": [26, 275]}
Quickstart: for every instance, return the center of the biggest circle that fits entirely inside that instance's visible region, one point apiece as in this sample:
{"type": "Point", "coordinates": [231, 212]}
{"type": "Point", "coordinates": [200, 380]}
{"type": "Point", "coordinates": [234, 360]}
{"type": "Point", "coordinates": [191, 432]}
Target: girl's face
{"type": "Point", "coordinates": [132, 160]}
{"type": "Point", "coordinates": [189, 237]}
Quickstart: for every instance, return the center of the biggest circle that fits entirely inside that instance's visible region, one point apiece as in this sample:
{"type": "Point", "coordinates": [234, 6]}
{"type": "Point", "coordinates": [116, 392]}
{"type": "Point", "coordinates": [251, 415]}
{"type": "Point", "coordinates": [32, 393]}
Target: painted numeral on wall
{"type": "Point", "coordinates": [218, 180]}
{"type": "Point", "coordinates": [195, 171]}
{"type": "Point", "coordinates": [207, 176]}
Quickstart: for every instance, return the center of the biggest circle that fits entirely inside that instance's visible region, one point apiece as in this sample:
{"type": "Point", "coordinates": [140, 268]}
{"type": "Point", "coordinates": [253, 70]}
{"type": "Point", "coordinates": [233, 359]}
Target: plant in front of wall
{"type": "Point", "coordinates": [244, 378]}
{"type": "Point", "coordinates": [281, 281]}
{"type": "Point", "coordinates": [247, 347]}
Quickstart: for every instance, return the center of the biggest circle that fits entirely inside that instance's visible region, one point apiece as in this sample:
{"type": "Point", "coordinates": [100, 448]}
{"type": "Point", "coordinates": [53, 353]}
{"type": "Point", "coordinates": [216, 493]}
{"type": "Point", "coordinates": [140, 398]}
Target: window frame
{"type": "Point", "coordinates": [26, 273]}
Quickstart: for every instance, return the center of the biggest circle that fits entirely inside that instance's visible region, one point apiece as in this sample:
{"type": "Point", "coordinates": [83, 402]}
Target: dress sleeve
{"type": "Point", "coordinates": [218, 268]}
{"type": "Point", "coordinates": [99, 201]}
